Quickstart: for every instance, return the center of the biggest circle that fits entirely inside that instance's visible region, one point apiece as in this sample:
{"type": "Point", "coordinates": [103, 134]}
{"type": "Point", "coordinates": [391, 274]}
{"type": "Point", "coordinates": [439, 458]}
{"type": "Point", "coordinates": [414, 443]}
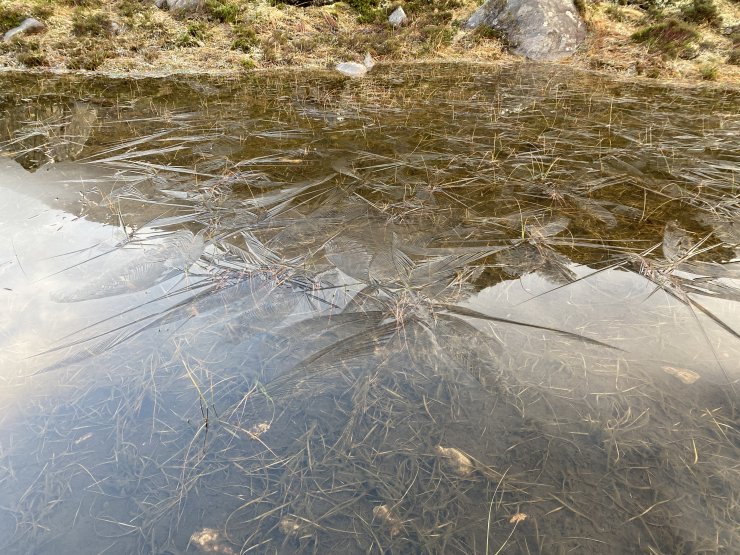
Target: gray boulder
{"type": "Point", "coordinates": [537, 29]}
{"type": "Point", "coordinates": [29, 26]}
{"type": "Point", "coordinates": [180, 5]}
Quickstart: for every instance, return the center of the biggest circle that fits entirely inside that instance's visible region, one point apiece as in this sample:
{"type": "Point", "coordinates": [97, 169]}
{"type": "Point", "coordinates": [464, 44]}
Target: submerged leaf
{"type": "Point", "coordinates": [461, 464]}
{"type": "Point", "coordinates": [684, 374]}
{"type": "Point", "coordinates": [677, 243]}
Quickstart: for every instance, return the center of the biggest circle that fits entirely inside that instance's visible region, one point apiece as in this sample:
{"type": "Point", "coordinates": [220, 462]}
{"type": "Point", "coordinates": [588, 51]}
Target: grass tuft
{"type": "Point", "coordinates": [129, 8]}
{"type": "Point", "coordinates": [734, 57]}
{"type": "Point", "coordinates": [89, 54]}
{"type": "Point", "coordinates": [245, 38]}
{"type": "Point", "coordinates": [83, 3]}
{"type": "Point", "coordinates": [193, 36]}
{"type": "Point", "coordinates": [701, 11]}
{"type": "Point", "coordinates": [224, 12]}
{"type": "Point", "coordinates": [709, 72]}
{"type": "Point", "coordinates": [671, 37]}
{"type": "Point", "coordinates": [96, 24]}
{"type": "Point", "coordinates": [10, 16]}
{"type": "Point", "coordinates": [30, 54]}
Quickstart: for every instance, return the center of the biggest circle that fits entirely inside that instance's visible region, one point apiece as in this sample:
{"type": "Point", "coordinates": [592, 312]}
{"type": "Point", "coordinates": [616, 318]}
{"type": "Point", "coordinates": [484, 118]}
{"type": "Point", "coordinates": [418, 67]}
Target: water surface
{"type": "Point", "coordinates": [444, 309]}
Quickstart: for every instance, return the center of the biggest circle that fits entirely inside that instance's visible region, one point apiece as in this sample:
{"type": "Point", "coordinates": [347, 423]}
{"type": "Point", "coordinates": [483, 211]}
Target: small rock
{"type": "Point", "coordinates": [368, 62]}
{"type": "Point", "coordinates": [180, 5]}
{"type": "Point", "coordinates": [353, 69]}
{"type": "Point", "coordinates": [28, 27]}
{"type": "Point", "coordinates": [397, 18]}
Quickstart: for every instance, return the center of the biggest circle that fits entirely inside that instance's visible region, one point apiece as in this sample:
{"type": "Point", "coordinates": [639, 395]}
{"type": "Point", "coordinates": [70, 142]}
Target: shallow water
{"type": "Point", "coordinates": [444, 309]}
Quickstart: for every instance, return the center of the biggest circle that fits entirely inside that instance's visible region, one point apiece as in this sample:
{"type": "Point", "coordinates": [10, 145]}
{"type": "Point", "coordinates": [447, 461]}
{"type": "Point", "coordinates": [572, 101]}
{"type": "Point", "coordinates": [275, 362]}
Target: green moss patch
{"type": "Point", "coordinates": [245, 38]}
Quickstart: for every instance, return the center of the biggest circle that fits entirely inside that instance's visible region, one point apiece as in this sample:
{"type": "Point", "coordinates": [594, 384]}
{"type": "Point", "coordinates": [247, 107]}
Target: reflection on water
{"type": "Point", "coordinates": [446, 310]}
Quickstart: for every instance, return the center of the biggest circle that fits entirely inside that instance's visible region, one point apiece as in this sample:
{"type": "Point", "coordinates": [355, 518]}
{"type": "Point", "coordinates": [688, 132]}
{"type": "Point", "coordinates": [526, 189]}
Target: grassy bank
{"type": "Point", "coordinates": [691, 40]}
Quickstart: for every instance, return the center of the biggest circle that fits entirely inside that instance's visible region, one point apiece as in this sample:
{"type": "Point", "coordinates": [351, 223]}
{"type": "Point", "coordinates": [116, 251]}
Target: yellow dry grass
{"type": "Point", "coordinates": [610, 48]}
{"type": "Point", "coordinates": [291, 36]}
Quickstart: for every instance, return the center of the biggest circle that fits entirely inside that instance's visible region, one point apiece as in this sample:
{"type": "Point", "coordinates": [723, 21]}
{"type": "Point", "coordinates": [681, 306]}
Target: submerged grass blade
{"type": "Point", "coordinates": [470, 313]}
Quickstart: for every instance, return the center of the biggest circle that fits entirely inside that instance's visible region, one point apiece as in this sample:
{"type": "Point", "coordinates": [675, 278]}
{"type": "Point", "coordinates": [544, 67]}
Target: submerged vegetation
{"type": "Point", "coordinates": [442, 311]}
